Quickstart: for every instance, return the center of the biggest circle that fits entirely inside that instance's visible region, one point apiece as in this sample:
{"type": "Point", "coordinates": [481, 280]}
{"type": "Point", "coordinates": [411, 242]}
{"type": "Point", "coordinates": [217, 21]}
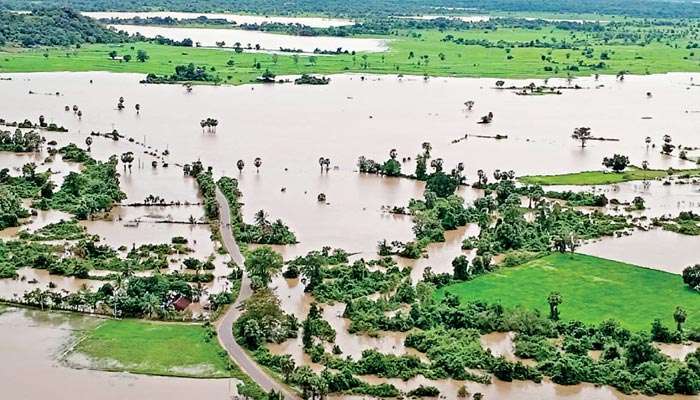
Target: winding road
{"type": "Point", "coordinates": [224, 326]}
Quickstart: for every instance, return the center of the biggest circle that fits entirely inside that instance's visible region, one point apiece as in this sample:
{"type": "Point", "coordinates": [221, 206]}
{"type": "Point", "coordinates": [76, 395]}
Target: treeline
{"type": "Point", "coordinates": [633, 8]}
{"type": "Point", "coordinates": [54, 27]}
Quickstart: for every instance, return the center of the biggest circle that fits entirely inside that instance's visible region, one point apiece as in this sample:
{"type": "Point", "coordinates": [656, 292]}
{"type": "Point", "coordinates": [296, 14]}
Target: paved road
{"type": "Point", "coordinates": [224, 331]}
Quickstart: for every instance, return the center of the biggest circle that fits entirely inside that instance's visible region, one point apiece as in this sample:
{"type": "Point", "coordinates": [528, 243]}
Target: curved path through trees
{"type": "Point", "coordinates": [224, 326]}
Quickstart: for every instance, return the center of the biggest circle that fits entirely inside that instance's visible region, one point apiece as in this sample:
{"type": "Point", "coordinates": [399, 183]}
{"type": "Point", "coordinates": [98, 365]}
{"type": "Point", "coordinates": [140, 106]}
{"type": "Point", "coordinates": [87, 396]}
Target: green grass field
{"type": "Point", "coordinates": [154, 348]}
{"type": "Point", "coordinates": [593, 289]}
{"type": "Point", "coordinates": [602, 177]}
{"type": "Point", "coordinates": [444, 58]}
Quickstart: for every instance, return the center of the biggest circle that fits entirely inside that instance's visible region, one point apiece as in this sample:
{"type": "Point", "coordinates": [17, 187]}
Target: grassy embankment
{"type": "Point", "coordinates": [458, 60]}
{"type": "Point", "coordinates": [604, 177]}
{"type": "Point", "coordinates": [593, 289]}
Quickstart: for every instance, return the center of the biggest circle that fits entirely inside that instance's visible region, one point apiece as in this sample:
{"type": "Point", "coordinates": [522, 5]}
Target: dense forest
{"type": "Point", "coordinates": [52, 27]}
{"type": "Point", "coordinates": [636, 8]}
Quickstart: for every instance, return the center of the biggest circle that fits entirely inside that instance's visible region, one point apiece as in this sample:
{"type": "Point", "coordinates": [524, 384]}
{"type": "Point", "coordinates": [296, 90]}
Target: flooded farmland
{"type": "Point", "coordinates": [289, 128]}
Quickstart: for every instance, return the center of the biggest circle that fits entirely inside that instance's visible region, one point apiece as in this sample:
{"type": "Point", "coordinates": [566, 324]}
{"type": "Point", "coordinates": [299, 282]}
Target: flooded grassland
{"type": "Point", "coordinates": [289, 128]}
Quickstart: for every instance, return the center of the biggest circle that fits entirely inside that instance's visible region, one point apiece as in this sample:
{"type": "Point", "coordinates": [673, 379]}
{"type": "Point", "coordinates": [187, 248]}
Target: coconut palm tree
{"type": "Point", "coordinates": [138, 108]}
{"type": "Point", "coordinates": [75, 108]}
{"type": "Point", "coordinates": [80, 114]}
{"type": "Point", "coordinates": [67, 108]}
{"type": "Point", "coordinates": [393, 154]}
{"type": "Point", "coordinates": [647, 140]}
{"type": "Point", "coordinates": [203, 124]}
{"type": "Point", "coordinates": [240, 164]}
{"type": "Point", "coordinates": [327, 163]}
{"type": "Point", "coordinates": [120, 104]}
{"type": "Point", "coordinates": [257, 162]}
{"type": "Point", "coordinates": [88, 142]}
{"type": "Point", "coordinates": [321, 162]}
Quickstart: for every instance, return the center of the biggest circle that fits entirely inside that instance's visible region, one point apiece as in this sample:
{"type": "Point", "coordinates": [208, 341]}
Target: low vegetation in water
{"type": "Point", "coordinates": [686, 223]}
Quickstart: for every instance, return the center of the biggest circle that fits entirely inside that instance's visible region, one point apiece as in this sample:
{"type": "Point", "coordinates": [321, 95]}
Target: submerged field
{"type": "Point", "coordinates": [154, 348]}
{"type": "Point", "coordinates": [593, 289]}
{"type": "Point", "coordinates": [426, 53]}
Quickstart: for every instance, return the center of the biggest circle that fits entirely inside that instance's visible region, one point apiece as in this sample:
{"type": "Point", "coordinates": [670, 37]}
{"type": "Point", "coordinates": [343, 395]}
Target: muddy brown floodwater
{"type": "Point", "coordinates": [290, 127]}
{"type": "Point", "coordinates": [32, 343]}
{"type": "Point", "coordinates": [349, 118]}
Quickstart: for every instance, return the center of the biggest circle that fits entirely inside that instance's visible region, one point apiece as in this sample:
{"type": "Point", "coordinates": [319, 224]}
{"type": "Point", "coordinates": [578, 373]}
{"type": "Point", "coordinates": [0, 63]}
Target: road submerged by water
{"type": "Point", "coordinates": [224, 326]}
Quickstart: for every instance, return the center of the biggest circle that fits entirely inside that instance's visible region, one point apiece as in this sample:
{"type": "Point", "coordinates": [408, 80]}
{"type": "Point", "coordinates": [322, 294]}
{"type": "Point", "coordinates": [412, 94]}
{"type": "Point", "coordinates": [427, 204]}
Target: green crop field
{"type": "Point", "coordinates": [406, 55]}
{"type": "Point", "coordinates": [603, 177]}
{"type": "Point", "coordinates": [156, 349]}
{"type": "Point", "coordinates": [593, 290]}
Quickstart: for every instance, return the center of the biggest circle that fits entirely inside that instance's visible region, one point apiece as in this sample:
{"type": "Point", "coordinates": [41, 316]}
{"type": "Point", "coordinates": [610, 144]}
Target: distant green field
{"type": "Point", "coordinates": [443, 58]}
{"type": "Point", "coordinates": [593, 289]}
{"type": "Point", "coordinates": [602, 177]}
{"type": "Point", "coordinates": [155, 348]}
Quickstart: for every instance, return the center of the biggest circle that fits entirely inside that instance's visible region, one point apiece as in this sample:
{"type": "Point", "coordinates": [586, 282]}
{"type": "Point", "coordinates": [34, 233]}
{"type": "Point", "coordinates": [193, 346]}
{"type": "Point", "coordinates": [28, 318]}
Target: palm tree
{"type": "Point", "coordinates": [679, 316]}
{"type": "Point", "coordinates": [120, 104]}
{"type": "Point", "coordinates": [257, 162]}
{"type": "Point", "coordinates": [75, 108]}
{"type": "Point", "coordinates": [240, 164]}
{"type": "Point", "coordinates": [127, 158]}
{"type": "Point", "coordinates": [583, 134]}
{"type": "Point", "coordinates": [645, 164]}
{"type": "Point", "coordinates": [321, 162]}
{"type": "Point", "coordinates": [426, 149]}
{"type": "Point", "coordinates": [80, 114]}
{"type": "Point", "coordinates": [138, 108]}
{"type": "Point", "coordinates": [554, 299]}
{"type": "Point", "coordinates": [647, 140]}
{"type": "Point", "coordinates": [88, 142]}
{"type": "Point", "coordinates": [436, 164]}
{"type": "Point", "coordinates": [327, 163]}
{"type": "Point", "coordinates": [261, 218]}
{"type": "Point", "coordinates": [393, 154]}
{"type": "Point", "coordinates": [203, 124]}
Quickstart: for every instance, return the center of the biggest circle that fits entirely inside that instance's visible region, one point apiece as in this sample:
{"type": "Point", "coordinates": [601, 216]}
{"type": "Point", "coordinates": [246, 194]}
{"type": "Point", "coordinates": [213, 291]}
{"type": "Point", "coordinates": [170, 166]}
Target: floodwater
{"type": "Point", "coordinates": [499, 390]}
{"type": "Point", "coordinates": [659, 199]}
{"type": "Point", "coordinates": [289, 127]}
{"type": "Point", "coordinates": [33, 341]}
{"type": "Point", "coordinates": [381, 113]}
{"type": "Point", "coordinates": [657, 249]}
{"type": "Point", "coordinates": [208, 37]}
{"type": "Point", "coordinates": [315, 22]}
